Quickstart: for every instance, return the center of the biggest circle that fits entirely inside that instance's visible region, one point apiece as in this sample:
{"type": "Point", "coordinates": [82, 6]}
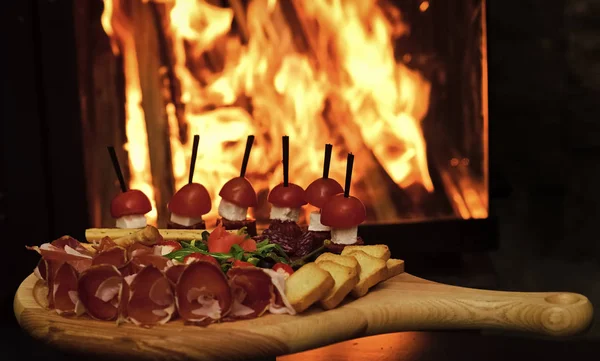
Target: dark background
{"type": "Point", "coordinates": [544, 85]}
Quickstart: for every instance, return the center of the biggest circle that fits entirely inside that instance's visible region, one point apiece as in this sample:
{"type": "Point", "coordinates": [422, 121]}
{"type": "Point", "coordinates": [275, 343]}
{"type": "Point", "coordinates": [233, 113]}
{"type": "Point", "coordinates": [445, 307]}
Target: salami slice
{"type": "Point", "coordinates": [202, 293]}
{"type": "Point", "coordinates": [253, 292]}
{"type": "Point", "coordinates": [151, 300]}
{"type": "Point", "coordinates": [64, 291]}
{"type": "Point", "coordinates": [99, 289]}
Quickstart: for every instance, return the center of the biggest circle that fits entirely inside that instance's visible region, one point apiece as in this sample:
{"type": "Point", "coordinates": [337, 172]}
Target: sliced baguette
{"type": "Point", "coordinates": [372, 271]}
{"type": "Point", "coordinates": [345, 278]}
{"type": "Point", "coordinates": [307, 285]}
{"type": "Point", "coordinates": [394, 267]}
{"type": "Point", "coordinates": [380, 251]}
{"type": "Point", "coordinates": [341, 260]}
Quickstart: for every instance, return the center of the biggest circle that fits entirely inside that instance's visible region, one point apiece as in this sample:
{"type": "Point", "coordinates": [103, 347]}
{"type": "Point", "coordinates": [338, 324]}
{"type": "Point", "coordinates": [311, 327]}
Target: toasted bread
{"type": "Point", "coordinates": [307, 285]}
{"type": "Point", "coordinates": [341, 260]}
{"type": "Point", "coordinates": [372, 271]}
{"type": "Point", "coordinates": [345, 279]}
{"type": "Point", "coordinates": [380, 251]}
{"type": "Point", "coordinates": [394, 267]}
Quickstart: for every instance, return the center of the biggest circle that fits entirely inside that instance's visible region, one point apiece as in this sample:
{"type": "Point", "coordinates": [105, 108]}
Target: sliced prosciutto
{"type": "Point", "coordinates": [280, 304]}
{"type": "Point", "coordinates": [174, 272]}
{"type": "Point", "coordinates": [99, 290]}
{"type": "Point", "coordinates": [202, 293]}
{"type": "Point", "coordinates": [151, 300]}
{"type": "Point", "coordinates": [66, 249]}
{"type": "Point", "coordinates": [64, 291]}
{"type": "Point", "coordinates": [105, 243]}
{"type": "Point", "coordinates": [141, 261]}
{"type": "Point", "coordinates": [253, 292]}
{"type": "Point", "coordinates": [41, 270]}
{"type": "Point", "coordinates": [115, 256]}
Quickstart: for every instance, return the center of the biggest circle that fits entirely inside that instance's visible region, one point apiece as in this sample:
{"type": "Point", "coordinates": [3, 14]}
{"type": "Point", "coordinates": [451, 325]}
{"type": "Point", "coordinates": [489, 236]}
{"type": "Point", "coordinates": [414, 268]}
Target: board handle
{"type": "Point", "coordinates": [548, 313]}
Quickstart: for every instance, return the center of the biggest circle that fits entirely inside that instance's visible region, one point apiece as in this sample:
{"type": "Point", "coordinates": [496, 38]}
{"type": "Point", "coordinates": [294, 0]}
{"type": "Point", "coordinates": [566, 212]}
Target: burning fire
{"type": "Point", "coordinates": [341, 85]}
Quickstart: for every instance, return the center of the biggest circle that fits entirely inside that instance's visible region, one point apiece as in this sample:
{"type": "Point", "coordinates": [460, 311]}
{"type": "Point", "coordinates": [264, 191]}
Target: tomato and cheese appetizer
{"type": "Point", "coordinates": [343, 214]}
{"type": "Point", "coordinates": [286, 202]}
{"type": "Point", "coordinates": [317, 194]}
{"type": "Point", "coordinates": [237, 195]}
{"type": "Point", "coordinates": [129, 209]}
{"type": "Point", "coordinates": [188, 206]}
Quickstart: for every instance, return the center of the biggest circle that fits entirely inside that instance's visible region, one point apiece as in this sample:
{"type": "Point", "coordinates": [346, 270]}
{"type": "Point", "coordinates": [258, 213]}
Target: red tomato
{"type": "Point", "coordinates": [319, 191]}
{"type": "Point", "coordinates": [220, 241]}
{"type": "Point", "coordinates": [238, 263]}
{"type": "Point", "coordinates": [291, 196]}
{"type": "Point", "coordinates": [174, 244]}
{"type": "Point", "coordinates": [192, 200]}
{"type": "Point", "coordinates": [342, 212]}
{"type": "Point", "coordinates": [283, 267]}
{"type": "Point", "coordinates": [248, 245]}
{"type": "Point", "coordinates": [131, 202]}
{"type": "Point", "coordinates": [239, 191]}
{"type": "Point", "coordinates": [194, 257]}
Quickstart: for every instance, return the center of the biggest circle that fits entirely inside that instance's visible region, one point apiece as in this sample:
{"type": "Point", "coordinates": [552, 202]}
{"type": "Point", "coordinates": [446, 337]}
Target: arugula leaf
{"type": "Point", "coordinates": [237, 252]}
{"type": "Point", "coordinates": [262, 243]}
{"type": "Point", "coordinates": [185, 244]}
{"type": "Point", "coordinates": [243, 232]}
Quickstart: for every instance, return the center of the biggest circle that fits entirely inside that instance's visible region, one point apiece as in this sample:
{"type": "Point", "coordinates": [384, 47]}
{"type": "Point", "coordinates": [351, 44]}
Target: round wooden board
{"type": "Point", "coordinates": [402, 303]}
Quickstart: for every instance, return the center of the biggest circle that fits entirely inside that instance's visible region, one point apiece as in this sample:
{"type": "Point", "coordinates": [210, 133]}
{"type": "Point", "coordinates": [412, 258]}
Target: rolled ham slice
{"type": "Point", "coordinates": [115, 256]}
{"type": "Point", "coordinates": [280, 304]}
{"type": "Point", "coordinates": [253, 292]}
{"type": "Point", "coordinates": [202, 293]}
{"type": "Point", "coordinates": [151, 300]}
{"type": "Point", "coordinates": [66, 249]}
{"type": "Point", "coordinates": [100, 289]}
{"type": "Point", "coordinates": [64, 291]}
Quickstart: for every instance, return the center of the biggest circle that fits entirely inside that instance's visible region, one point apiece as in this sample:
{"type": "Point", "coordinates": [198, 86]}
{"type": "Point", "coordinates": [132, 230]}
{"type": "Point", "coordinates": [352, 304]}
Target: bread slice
{"type": "Point", "coordinates": [341, 260]}
{"type": "Point", "coordinates": [372, 271]}
{"type": "Point", "coordinates": [307, 285]}
{"type": "Point", "coordinates": [345, 279]}
{"type": "Point", "coordinates": [380, 251]}
{"type": "Point", "coordinates": [394, 267]}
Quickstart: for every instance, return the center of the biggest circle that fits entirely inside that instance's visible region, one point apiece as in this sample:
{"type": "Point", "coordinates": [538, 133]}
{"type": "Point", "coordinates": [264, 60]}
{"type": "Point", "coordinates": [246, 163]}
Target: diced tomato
{"type": "Point", "coordinates": [249, 245]}
{"type": "Point", "coordinates": [174, 244]}
{"type": "Point", "coordinates": [217, 233]}
{"type": "Point", "coordinates": [282, 267]}
{"type": "Point", "coordinates": [224, 243]}
{"type": "Point", "coordinates": [238, 263]}
{"type": "Point", "coordinates": [194, 257]}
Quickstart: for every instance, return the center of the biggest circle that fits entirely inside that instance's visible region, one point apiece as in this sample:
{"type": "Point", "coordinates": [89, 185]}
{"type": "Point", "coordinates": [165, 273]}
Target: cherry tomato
{"type": "Point", "coordinates": [240, 192]}
{"type": "Point", "coordinates": [238, 263]}
{"type": "Point", "coordinates": [223, 244]}
{"type": "Point", "coordinates": [131, 202]}
{"type": "Point", "coordinates": [282, 267]}
{"type": "Point", "coordinates": [249, 245]}
{"type": "Point", "coordinates": [291, 196]}
{"type": "Point", "coordinates": [192, 200]}
{"type": "Point", "coordinates": [319, 191]}
{"type": "Point", "coordinates": [194, 257]}
{"type": "Point", "coordinates": [342, 212]}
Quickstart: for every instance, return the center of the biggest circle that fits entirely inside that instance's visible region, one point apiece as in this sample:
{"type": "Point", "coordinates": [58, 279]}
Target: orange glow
{"type": "Point", "coordinates": [424, 6]}
{"type": "Point", "coordinates": [137, 140]}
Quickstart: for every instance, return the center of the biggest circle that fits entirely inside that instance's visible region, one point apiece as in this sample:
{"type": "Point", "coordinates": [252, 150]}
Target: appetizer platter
{"type": "Point", "coordinates": [189, 292]}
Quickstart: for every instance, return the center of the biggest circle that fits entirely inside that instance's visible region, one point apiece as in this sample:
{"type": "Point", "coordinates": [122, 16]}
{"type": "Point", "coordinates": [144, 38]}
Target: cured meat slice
{"type": "Point", "coordinates": [105, 243]}
{"type": "Point", "coordinates": [116, 256]}
{"type": "Point", "coordinates": [253, 292]}
{"type": "Point", "coordinates": [202, 293]}
{"type": "Point", "coordinates": [280, 303]}
{"type": "Point", "coordinates": [173, 273]}
{"type": "Point", "coordinates": [41, 270]}
{"type": "Point", "coordinates": [140, 261]}
{"type": "Point", "coordinates": [65, 249]}
{"type": "Point", "coordinates": [64, 291]}
{"type": "Point", "coordinates": [99, 289]}
{"type": "Point", "coordinates": [137, 249]}
{"type": "Point", "coordinates": [151, 300]}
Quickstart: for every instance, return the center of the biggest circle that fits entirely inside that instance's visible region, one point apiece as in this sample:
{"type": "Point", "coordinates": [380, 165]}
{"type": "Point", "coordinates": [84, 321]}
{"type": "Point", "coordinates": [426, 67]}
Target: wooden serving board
{"type": "Point", "coordinates": [402, 303]}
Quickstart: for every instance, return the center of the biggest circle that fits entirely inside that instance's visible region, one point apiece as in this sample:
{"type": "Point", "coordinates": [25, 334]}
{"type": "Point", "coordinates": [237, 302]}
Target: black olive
{"type": "Point", "coordinates": [266, 263]}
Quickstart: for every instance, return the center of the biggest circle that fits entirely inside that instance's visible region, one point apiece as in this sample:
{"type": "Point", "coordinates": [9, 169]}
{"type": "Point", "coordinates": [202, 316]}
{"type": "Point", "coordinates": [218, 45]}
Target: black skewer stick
{"type": "Point", "coordinates": [115, 162]}
{"type": "Point", "coordinates": [349, 164]}
{"type": "Point", "coordinates": [327, 162]}
{"type": "Point", "coordinates": [249, 143]}
{"type": "Point", "coordinates": [193, 161]}
{"type": "Point", "coordinates": [286, 159]}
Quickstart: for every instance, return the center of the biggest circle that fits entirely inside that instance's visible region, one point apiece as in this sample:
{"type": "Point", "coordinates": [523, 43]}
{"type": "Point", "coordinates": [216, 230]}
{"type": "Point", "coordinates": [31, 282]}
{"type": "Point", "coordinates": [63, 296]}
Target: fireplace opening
{"type": "Point", "coordinates": [401, 84]}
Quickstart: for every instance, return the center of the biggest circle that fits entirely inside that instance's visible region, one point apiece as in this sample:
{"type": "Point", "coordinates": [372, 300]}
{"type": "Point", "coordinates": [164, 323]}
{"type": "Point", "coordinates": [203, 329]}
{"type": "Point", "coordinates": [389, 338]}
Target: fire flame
{"type": "Point", "coordinates": [344, 87]}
